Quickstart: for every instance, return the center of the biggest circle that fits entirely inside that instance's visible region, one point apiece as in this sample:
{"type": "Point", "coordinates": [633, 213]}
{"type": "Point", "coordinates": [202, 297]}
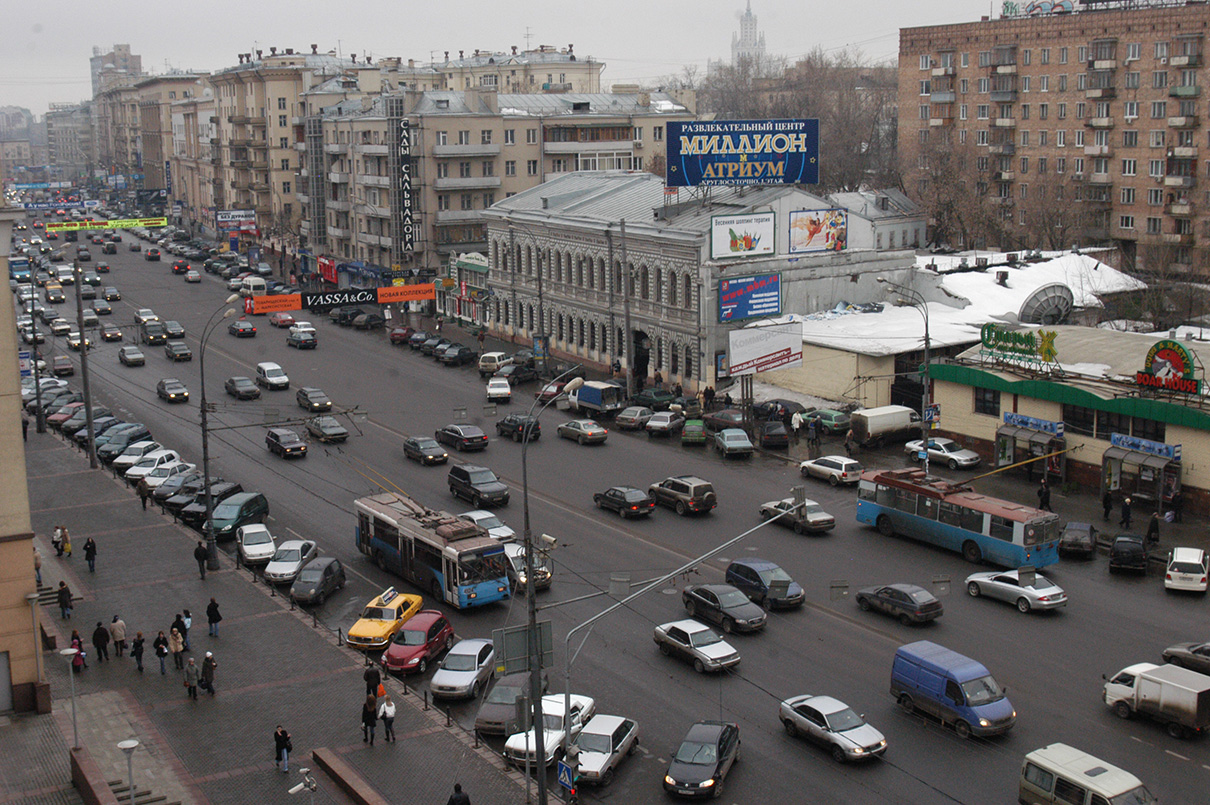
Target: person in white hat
{"type": "Point", "coordinates": [208, 666]}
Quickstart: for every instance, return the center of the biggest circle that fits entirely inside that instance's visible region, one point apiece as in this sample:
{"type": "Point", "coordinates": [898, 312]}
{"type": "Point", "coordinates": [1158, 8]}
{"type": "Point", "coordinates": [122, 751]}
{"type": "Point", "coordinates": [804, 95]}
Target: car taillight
{"type": "Point", "coordinates": [1168, 577]}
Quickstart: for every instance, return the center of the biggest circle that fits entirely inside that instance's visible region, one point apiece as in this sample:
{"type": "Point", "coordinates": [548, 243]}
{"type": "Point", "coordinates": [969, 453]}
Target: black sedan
{"type": "Point", "coordinates": [515, 427]}
{"type": "Point", "coordinates": [626, 501]}
{"type": "Point", "coordinates": [1194, 656]}
{"type": "Point", "coordinates": [242, 388]}
{"type": "Point", "coordinates": [327, 429]}
{"type": "Point", "coordinates": [1078, 539]}
{"type": "Point", "coordinates": [462, 437]}
{"type": "Point", "coordinates": [724, 605]}
{"type": "Point", "coordinates": [176, 351]}
{"type": "Point", "coordinates": [907, 602]}
{"type": "Point", "coordinates": [516, 374]}
{"type": "Point", "coordinates": [172, 390]}
{"type": "Point", "coordinates": [241, 328]}
{"type": "Point", "coordinates": [369, 321]}
{"type": "Point", "coordinates": [702, 761]}
{"type": "Point", "coordinates": [152, 255]}
{"type": "Point", "coordinates": [424, 450]}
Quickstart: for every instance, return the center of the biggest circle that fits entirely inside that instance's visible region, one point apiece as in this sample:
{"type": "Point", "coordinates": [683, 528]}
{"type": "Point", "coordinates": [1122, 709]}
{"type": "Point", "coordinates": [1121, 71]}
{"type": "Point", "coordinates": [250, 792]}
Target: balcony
{"type": "Point", "coordinates": [259, 187]}
{"type": "Point", "coordinates": [1004, 69]}
{"type": "Point", "coordinates": [1184, 92]}
{"type": "Point", "coordinates": [303, 198]}
{"type": "Point", "coordinates": [238, 163]}
{"type": "Point", "coordinates": [237, 120]}
{"type": "Point", "coordinates": [458, 216]}
{"type": "Point", "coordinates": [1004, 123]}
{"type": "Point", "coordinates": [338, 177]}
{"type": "Point", "coordinates": [376, 211]}
{"type": "Point", "coordinates": [1099, 122]}
{"type": "Point", "coordinates": [304, 226]}
{"type": "Point", "coordinates": [336, 148]}
{"type": "Point", "coordinates": [339, 206]}
{"type": "Point", "coordinates": [941, 121]}
{"type": "Point", "coordinates": [1101, 93]}
{"type": "Point", "coordinates": [1183, 152]}
{"type": "Point", "coordinates": [1004, 149]}
{"type": "Point", "coordinates": [1179, 209]}
{"type": "Point", "coordinates": [1183, 122]}
{"type": "Point", "coordinates": [1103, 64]}
{"type": "Point", "coordinates": [303, 172]}
{"type": "Point", "coordinates": [469, 183]}
{"type": "Point", "coordinates": [337, 232]}
{"type": "Point", "coordinates": [373, 149]}
{"type": "Point", "coordinates": [258, 145]}
{"type": "Point", "coordinates": [1099, 202]}
{"type": "Point", "coordinates": [1177, 238]}
{"type": "Point", "coordinates": [296, 121]}
{"type": "Point", "coordinates": [466, 150]}
{"type": "Point", "coordinates": [370, 180]}
{"type": "Point", "coordinates": [374, 240]}
{"type": "Point", "coordinates": [1004, 96]}
{"type": "Point", "coordinates": [1097, 151]}
{"type": "Point", "coordinates": [1180, 181]}
{"type": "Point", "coordinates": [239, 142]}
{"type": "Point", "coordinates": [300, 147]}
{"type": "Point", "coordinates": [1099, 179]}
{"type": "Point", "coordinates": [257, 121]}
{"type": "Point", "coordinates": [1003, 176]}
{"type": "Point", "coordinates": [942, 71]}
{"type": "Point", "coordinates": [944, 96]}
{"type": "Point", "coordinates": [1188, 60]}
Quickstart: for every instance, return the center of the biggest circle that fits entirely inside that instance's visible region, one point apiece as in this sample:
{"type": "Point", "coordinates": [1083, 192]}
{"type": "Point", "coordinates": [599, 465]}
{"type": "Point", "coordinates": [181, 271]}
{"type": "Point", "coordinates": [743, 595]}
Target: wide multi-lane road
{"type": "Point", "coordinates": [1051, 663]}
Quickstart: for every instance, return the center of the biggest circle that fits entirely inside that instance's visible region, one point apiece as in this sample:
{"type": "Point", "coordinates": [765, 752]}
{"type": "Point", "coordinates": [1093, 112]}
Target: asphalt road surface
{"type": "Point", "coordinates": [1051, 663]}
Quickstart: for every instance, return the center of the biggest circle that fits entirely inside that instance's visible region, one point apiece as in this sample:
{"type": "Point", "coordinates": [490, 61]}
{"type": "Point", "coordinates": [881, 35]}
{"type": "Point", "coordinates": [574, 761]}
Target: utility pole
{"type": "Point", "coordinates": [79, 277]}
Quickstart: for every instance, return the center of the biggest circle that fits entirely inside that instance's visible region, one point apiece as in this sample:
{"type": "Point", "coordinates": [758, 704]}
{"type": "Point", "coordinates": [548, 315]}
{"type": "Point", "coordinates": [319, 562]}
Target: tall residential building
{"type": "Point", "coordinates": [116, 124]}
{"type": "Point", "coordinates": [156, 96]}
{"type": "Point", "coordinates": [543, 69]}
{"type": "Point", "coordinates": [15, 156]}
{"type": "Point", "coordinates": [1087, 124]}
{"type": "Point", "coordinates": [469, 150]}
{"type": "Point", "coordinates": [194, 130]}
{"type": "Point", "coordinates": [748, 43]}
{"type": "Point", "coordinates": [119, 59]}
{"type": "Point", "coordinates": [69, 140]}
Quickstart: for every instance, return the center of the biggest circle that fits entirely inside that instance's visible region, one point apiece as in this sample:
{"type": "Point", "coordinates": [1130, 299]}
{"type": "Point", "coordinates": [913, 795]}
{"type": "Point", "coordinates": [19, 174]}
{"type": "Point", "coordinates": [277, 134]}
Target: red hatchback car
{"type": "Point", "coordinates": [422, 639]}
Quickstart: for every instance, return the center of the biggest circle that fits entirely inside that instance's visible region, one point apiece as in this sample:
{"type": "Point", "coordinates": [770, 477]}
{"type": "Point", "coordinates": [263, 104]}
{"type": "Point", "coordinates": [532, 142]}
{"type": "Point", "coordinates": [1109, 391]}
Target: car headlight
{"type": "Point", "coordinates": [707, 783]}
{"type": "Point", "coordinates": [857, 750]}
{"type": "Point", "coordinates": [413, 661]}
{"type": "Point", "coordinates": [882, 743]}
{"type": "Point", "coordinates": [983, 722]}
{"type": "Point", "coordinates": [311, 591]}
{"type": "Point", "coordinates": [668, 779]}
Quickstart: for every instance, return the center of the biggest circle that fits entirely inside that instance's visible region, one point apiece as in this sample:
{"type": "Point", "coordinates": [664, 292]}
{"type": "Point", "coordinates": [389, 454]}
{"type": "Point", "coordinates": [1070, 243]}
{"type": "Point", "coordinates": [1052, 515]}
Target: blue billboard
{"type": "Point", "coordinates": [749, 297]}
{"type": "Point", "coordinates": [740, 152]}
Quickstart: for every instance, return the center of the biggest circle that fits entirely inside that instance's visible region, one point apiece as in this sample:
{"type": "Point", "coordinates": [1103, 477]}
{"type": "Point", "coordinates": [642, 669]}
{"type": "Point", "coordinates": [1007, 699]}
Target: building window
{"type": "Point", "coordinates": [1025, 83]}
{"type": "Point", "coordinates": [1159, 79]}
{"type": "Point", "coordinates": [1024, 112]}
{"type": "Point", "coordinates": [981, 137]}
{"type": "Point", "coordinates": [285, 164]}
{"type": "Point", "coordinates": [1024, 169]}
{"type": "Point", "coordinates": [443, 201]}
{"type": "Point", "coordinates": [1128, 196]}
{"type": "Point", "coordinates": [924, 136]}
{"type": "Point", "coordinates": [443, 170]}
{"type": "Point", "coordinates": [1133, 80]}
{"type": "Point", "coordinates": [1130, 167]}
{"type": "Point", "coordinates": [531, 167]}
{"type": "Point", "coordinates": [488, 200]}
{"type": "Point", "coordinates": [926, 63]}
{"type": "Point", "coordinates": [1079, 138]}
{"type": "Point", "coordinates": [468, 201]}
{"type": "Point", "coordinates": [1044, 83]}
{"type": "Point", "coordinates": [925, 87]}
{"type": "Point", "coordinates": [983, 86]}
{"type": "Point", "coordinates": [1155, 168]}
{"type": "Point", "coordinates": [510, 167]}
{"type": "Point", "coordinates": [1126, 222]}
{"type": "Point", "coordinates": [1161, 50]}
{"type": "Point", "coordinates": [1062, 111]}
{"type": "Point", "coordinates": [1079, 419]}
{"type": "Point", "coordinates": [531, 136]}
{"type": "Point", "coordinates": [923, 111]}
{"type": "Point", "coordinates": [657, 133]}
{"type": "Point", "coordinates": [982, 111]}
{"type": "Point", "coordinates": [485, 137]}
{"type": "Point", "coordinates": [559, 165]}
{"type": "Point", "coordinates": [285, 188]}
{"type": "Point", "coordinates": [283, 142]}
{"type": "Point", "coordinates": [282, 121]}
{"type": "Point", "coordinates": [464, 170]}
{"type": "Point", "coordinates": [489, 168]}
{"type": "Point", "coordinates": [443, 138]}
{"type": "Point", "coordinates": [964, 86]}
{"type": "Point", "coordinates": [281, 103]}
{"type": "Point", "coordinates": [987, 401]}
{"type": "Point", "coordinates": [1134, 51]}
{"type": "Point", "coordinates": [1060, 166]}
{"type": "Point", "coordinates": [1043, 111]}
{"type": "Point", "coordinates": [1147, 429]}
{"type": "Point", "coordinates": [1155, 197]}
{"type": "Point", "coordinates": [1061, 138]}
{"type": "Point", "coordinates": [1154, 226]}
{"type": "Point", "coordinates": [510, 136]}
{"type": "Point", "coordinates": [962, 111]}
{"type": "Point", "coordinates": [464, 137]}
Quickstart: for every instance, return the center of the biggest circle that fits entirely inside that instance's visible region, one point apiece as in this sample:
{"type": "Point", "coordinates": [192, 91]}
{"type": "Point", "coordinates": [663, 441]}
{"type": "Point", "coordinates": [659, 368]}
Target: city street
{"type": "Point", "coordinates": [1051, 663]}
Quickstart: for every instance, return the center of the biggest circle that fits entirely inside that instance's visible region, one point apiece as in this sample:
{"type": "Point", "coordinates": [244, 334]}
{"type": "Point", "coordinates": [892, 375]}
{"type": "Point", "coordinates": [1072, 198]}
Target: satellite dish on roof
{"type": "Point", "coordinates": [1050, 304]}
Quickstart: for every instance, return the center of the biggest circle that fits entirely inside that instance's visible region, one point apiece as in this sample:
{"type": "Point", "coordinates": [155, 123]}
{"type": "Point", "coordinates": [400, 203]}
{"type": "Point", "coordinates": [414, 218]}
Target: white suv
{"type": "Point", "coordinates": [271, 376]}
{"type": "Point", "coordinates": [1187, 570]}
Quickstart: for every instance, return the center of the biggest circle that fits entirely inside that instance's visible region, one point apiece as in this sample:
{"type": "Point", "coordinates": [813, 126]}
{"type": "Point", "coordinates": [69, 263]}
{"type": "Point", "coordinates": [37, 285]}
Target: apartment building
{"type": "Point", "coordinates": [542, 69]}
{"type": "Point", "coordinates": [156, 96]}
{"type": "Point", "coordinates": [15, 155]}
{"type": "Point", "coordinates": [116, 127]}
{"type": "Point", "coordinates": [119, 60]}
{"type": "Point", "coordinates": [1095, 116]}
{"type": "Point", "coordinates": [194, 130]}
{"type": "Point", "coordinates": [69, 140]}
{"type": "Point", "coordinates": [468, 150]}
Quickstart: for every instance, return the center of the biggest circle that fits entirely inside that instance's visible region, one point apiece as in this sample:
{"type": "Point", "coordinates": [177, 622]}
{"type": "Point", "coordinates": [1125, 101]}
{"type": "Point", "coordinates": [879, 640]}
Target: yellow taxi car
{"type": "Point", "coordinates": [382, 618]}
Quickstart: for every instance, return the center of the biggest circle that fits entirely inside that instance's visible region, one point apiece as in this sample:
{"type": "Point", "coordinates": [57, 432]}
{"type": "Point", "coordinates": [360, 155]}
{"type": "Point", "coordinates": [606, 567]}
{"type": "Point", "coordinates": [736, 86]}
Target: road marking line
{"type": "Point", "coordinates": [1174, 754]}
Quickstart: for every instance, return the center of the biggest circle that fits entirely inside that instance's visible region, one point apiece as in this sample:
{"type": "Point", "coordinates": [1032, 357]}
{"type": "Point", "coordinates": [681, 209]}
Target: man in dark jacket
{"type": "Point", "coordinates": [64, 600]}
{"type": "Point", "coordinates": [100, 641]}
{"type": "Point", "coordinates": [373, 680]}
{"type": "Point", "coordinates": [201, 555]}
{"type": "Point", "coordinates": [458, 797]}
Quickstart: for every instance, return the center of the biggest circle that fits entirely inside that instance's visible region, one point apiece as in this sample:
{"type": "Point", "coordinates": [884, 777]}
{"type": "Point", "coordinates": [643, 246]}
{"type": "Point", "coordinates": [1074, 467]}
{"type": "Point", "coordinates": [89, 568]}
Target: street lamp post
{"type": "Point", "coordinates": [915, 299]}
{"type": "Point", "coordinates": [91, 444]}
{"type": "Point", "coordinates": [535, 650]}
{"type": "Point", "coordinates": [211, 543]}
{"type": "Point", "coordinates": [70, 654]}
{"type": "Point", "coordinates": [128, 746]}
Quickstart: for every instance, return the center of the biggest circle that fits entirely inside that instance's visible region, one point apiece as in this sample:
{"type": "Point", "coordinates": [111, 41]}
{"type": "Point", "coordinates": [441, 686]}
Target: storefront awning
{"type": "Point", "coordinates": [1136, 459]}
{"type": "Point", "coordinates": [1030, 435]}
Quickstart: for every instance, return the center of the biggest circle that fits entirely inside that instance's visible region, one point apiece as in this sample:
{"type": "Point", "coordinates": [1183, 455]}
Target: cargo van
{"type": "Point", "coordinates": [873, 427]}
{"type": "Point", "coordinates": [934, 680]}
{"type": "Point", "coordinates": [252, 286]}
{"type": "Point", "coordinates": [1062, 774]}
{"type": "Point", "coordinates": [489, 362]}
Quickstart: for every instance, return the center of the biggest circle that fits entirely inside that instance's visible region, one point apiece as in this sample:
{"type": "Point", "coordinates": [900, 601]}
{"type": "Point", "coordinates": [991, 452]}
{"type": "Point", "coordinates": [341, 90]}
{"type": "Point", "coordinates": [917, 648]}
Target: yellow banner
{"type": "Point", "coordinates": [125, 223]}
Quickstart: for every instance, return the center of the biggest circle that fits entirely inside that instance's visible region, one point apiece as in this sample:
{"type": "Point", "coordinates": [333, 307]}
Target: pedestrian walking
{"type": "Point", "coordinates": [1106, 505]}
{"type": "Point", "coordinates": [144, 493]}
{"type": "Point", "coordinates": [193, 675]}
{"type": "Point", "coordinates": [1178, 500]}
{"type": "Point", "coordinates": [369, 718]}
{"type": "Point", "coordinates": [1044, 497]}
{"type": "Point", "coordinates": [64, 599]}
{"type": "Point", "coordinates": [160, 646]}
{"type": "Point", "coordinates": [1125, 521]}
{"type": "Point", "coordinates": [796, 425]}
{"type": "Point", "coordinates": [176, 644]}
{"type": "Point", "coordinates": [80, 660]}
{"type": "Point", "coordinates": [1153, 527]}
{"type": "Point", "coordinates": [178, 623]}
{"type": "Point", "coordinates": [117, 631]}
{"type": "Point", "coordinates": [386, 712]}
{"type": "Point", "coordinates": [282, 747]}
{"type": "Point", "coordinates": [90, 554]}
{"type": "Point", "coordinates": [56, 540]}
{"type": "Point", "coordinates": [208, 667]}
{"type": "Point", "coordinates": [136, 650]}
{"type": "Point", "coordinates": [66, 541]}
{"type": "Point", "coordinates": [458, 797]}
{"type": "Point", "coordinates": [708, 397]}
{"type": "Point", "coordinates": [37, 566]}
{"type": "Point", "coordinates": [213, 616]}
{"type": "Point", "coordinates": [372, 679]}
{"type": "Point", "coordinates": [24, 428]}
{"type": "Point", "coordinates": [100, 641]}
{"type": "Point", "coordinates": [187, 619]}
{"type": "Point", "coordinates": [201, 555]}
{"type": "Point", "coordinates": [849, 443]}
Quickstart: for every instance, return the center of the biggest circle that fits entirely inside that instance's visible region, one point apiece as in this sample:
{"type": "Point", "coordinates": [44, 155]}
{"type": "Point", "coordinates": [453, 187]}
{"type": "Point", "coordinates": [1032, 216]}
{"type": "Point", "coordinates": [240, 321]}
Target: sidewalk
{"type": "Point", "coordinates": [273, 668]}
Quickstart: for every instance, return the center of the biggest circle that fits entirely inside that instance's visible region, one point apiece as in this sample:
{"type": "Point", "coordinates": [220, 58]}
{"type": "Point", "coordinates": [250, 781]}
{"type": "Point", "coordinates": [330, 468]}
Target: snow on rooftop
{"type": "Point", "coordinates": [1087, 277]}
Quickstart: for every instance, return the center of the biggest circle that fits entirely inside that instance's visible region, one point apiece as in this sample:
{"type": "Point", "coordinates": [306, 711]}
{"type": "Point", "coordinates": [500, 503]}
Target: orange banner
{"type": "Point", "coordinates": [273, 304]}
{"type": "Point", "coordinates": [406, 293]}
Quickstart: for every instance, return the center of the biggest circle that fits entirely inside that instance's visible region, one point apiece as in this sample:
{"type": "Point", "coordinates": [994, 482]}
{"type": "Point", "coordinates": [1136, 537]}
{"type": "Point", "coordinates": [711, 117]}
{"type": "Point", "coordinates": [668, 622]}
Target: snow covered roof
{"type": "Point", "coordinates": [973, 298]}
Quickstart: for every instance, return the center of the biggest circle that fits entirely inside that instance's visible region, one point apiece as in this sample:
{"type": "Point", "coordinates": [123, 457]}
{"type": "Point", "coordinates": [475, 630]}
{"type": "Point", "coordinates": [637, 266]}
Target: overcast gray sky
{"type": "Point", "coordinates": [46, 46]}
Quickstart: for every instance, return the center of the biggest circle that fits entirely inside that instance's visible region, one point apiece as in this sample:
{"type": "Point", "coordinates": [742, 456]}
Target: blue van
{"type": "Point", "coordinates": [960, 692]}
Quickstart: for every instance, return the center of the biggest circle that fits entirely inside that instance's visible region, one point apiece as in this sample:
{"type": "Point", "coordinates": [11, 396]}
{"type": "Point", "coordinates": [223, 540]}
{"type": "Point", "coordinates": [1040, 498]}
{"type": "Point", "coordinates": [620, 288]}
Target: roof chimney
{"type": "Point", "coordinates": [460, 53]}
{"type": "Point", "coordinates": [514, 50]}
{"type": "Point", "coordinates": [353, 56]}
{"type": "Point", "coordinates": [241, 57]}
{"type": "Point", "coordinates": [369, 59]}
{"type": "Point", "coordinates": [258, 54]}
{"type": "Point", "coordinates": [476, 51]}
{"type": "Point", "coordinates": [289, 51]}
{"type": "Point", "coordinates": [314, 50]}
{"type": "Point", "coordinates": [272, 51]}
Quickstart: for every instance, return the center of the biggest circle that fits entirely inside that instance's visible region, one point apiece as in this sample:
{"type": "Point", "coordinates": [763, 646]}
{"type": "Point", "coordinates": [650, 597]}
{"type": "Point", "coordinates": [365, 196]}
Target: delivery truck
{"type": "Point", "coordinates": [597, 397]}
{"type": "Point", "coordinates": [874, 427]}
{"type": "Point", "coordinates": [1174, 696]}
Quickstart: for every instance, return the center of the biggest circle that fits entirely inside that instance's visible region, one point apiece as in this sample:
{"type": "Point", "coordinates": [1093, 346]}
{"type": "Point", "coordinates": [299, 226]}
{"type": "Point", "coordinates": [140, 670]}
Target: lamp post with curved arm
{"type": "Point", "coordinates": [535, 650]}
{"type": "Point", "coordinates": [914, 299]}
{"type": "Point", "coordinates": [208, 527]}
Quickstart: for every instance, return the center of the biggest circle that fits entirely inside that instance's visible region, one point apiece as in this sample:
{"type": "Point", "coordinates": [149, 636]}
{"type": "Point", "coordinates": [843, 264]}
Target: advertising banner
{"type": "Point", "coordinates": [235, 220]}
{"type": "Point", "coordinates": [818, 231]}
{"type": "Point", "coordinates": [326, 300]}
{"type": "Point", "coordinates": [327, 269]}
{"type": "Point", "coordinates": [762, 349]}
{"type": "Point", "coordinates": [736, 236]}
{"type": "Point", "coordinates": [737, 152]}
{"type": "Point", "coordinates": [749, 297]}
{"type": "Point", "coordinates": [125, 223]}
{"type": "Point", "coordinates": [407, 293]}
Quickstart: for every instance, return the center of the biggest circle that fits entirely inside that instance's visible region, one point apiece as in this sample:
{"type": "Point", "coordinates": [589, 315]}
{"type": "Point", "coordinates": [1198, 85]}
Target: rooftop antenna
{"type": "Point", "coordinates": [528, 37]}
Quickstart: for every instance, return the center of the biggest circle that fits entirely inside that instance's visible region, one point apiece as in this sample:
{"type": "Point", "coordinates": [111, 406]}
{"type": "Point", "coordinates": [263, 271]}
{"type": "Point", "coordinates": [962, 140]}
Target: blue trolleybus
{"type": "Point", "coordinates": [929, 509]}
{"type": "Point", "coordinates": [452, 559]}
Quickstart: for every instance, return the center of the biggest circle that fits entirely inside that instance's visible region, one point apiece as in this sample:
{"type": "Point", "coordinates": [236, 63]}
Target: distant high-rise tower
{"type": "Point", "coordinates": [749, 43]}
{"type": "Point", "coordinates": [120, 58]}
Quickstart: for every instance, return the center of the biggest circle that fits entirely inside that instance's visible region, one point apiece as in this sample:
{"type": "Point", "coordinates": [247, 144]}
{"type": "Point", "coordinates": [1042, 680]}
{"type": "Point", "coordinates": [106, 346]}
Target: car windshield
{"type": "Point", "coordinates": [274, 373]}
{"type": "Point", "coordinates": [427, 444]}
{"type": "Point", "coordinates": [772, 574]}
{"type": "Point", "coordinates": [704, 638]}
{"type": "Point", "coordinates": [503, 694]}
{"type": "Point", "coordinates": [846, 719]}
{"type": "Point", "coordinates": [410, 637]}
{"type": "Point", "coordinates": [310, 576]}
{"type": "Point", "coordinates": [148, 462]}
{"type": "Point", "coordinates": [460, 662]}
{"type": "Point", "coordinates": [1186, 567]}
{"type": "Point", "coordinates": [283, 554]}
{"type": "Point", "coordinates": [732, 599]}
{"type": "Point", "coordinates": [478, 567]}
{"type": "Point", "coordinates": [698, 754]}
{"type": "Point", "coordinates": [482, 477]}
{"type": "Point", "coordinates": [982, 691]}
{"type": "Point", "coordinates": [591, 742]}
{"type": "Point", "coordinates": [379, 614]}
{"type": "Point", "coordinates": [160, 472]}
{"type": "Point", "coordinates": [490, 521]}
{"type": "Point", "coordinates": [812, 508]}
{"type": "Point", "coordinates": [257, 538]}
{"type": "Point", "coordinates": [1137, 796]}
{"type": "Point", "coordinates": [227, 511]}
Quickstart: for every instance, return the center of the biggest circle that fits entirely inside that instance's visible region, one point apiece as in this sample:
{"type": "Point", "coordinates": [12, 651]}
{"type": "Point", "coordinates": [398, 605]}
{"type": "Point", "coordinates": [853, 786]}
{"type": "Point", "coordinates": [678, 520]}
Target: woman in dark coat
{"type": "Point", "coordinates": [369, 718]}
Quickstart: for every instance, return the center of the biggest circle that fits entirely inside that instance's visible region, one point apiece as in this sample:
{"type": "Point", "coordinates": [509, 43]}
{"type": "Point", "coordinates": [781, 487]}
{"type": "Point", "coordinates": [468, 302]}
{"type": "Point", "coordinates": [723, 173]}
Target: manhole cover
{"type": "Point", "coordinates": [669, 591]}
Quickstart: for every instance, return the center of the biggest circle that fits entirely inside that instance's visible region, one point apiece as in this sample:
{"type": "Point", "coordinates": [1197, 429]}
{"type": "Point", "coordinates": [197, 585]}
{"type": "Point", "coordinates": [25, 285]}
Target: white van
{"type": "Point", "coordinates": [252, 286]}
{"type": "Point", "coordinates": [1061, 774]}
{"type": "Point", "coordinates": [490, 362]}
{"type": "Point", "coordinates": [271, 376]}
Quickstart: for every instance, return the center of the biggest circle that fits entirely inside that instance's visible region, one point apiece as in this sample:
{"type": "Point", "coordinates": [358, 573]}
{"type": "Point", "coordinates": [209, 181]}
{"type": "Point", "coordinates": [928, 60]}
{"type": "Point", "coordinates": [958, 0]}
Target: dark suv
{"type": "Point", "coordinates": [1129, 552]}
{"type": "Point", "coordinates": [285, 443]}
{"type": "Point", "coordinates": [194, 514]}
{"type": "Point", "coordinates": [477, 484]}
{"type": "Point", "coordinates": [514, 427]}
{"type": "Point", "coordinates": [685, 493]}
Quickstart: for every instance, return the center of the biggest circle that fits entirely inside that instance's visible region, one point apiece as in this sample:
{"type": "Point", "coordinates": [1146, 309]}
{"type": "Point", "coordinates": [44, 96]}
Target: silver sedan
{"type": "Point", "coordinates": [944, 451]}
{"type": "Point", "coordinates": [1007, 585]}
{"type": "Point", "coordinates": [584, 431]}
